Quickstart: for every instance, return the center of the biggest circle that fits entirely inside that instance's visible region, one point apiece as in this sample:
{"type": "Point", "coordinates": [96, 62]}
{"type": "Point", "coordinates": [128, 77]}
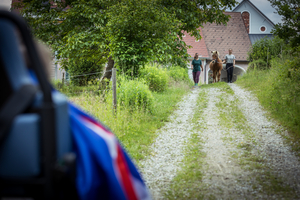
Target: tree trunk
{"type": "Point", "coordinates": [107, 74]}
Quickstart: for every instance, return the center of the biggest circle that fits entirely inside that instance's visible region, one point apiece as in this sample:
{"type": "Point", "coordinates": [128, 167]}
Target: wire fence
{"type": "Point", "coordinates": [80, 75]}
{"type": "Point", "coordinates": [87, 86]}
{"type": "Point", "coordinates": [86, 74]}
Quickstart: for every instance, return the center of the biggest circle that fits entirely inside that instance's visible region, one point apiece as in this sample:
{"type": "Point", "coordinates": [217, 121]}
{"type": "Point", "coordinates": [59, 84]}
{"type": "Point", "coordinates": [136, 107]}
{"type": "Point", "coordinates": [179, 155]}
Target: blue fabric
{"type": "Point", "coordinates": [96, 168]}
{"type": "Point", "coordinates": [96, 173]}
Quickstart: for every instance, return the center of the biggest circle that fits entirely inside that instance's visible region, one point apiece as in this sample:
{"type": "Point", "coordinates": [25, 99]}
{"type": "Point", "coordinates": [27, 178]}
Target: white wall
{"type": "Point", "coordinates": [57, 72]}
{"type": "Point", "coordinates": [5, 4]}
{"type": "Point", "coordinates": [256, 19]}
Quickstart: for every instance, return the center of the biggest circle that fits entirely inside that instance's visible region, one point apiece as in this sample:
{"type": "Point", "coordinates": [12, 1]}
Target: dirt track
{"type": "Point", "coordinates": [246, 155]}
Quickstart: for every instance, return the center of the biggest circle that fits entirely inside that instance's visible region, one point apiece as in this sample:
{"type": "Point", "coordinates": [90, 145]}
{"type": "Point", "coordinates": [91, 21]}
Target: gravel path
{"type": "Point", "coordinates": [278, 155]}
{"type": "Point", "coordinates": [160, 168]}
{"type": "Point", "coordinates": [224, 178]}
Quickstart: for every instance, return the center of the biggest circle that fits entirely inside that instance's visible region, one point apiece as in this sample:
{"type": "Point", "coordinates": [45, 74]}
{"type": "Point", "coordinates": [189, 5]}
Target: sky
{"type": "Point", "coordinates": [265, 7]}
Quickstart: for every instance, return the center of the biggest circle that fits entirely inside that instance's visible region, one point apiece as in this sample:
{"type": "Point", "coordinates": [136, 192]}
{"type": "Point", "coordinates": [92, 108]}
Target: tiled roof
{"type": "Point", "coordinates": [197, 46]}
{"type": "Point", "coordinates": [255, 37]}
{"type": "Point", "coordinates": [222, 37]}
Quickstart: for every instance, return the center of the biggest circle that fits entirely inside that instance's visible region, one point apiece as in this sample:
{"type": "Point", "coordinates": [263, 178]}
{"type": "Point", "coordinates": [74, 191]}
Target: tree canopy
{"type": "Point", "coordinates": [289, 30]}
{"type": "Point", "coordinates": [127, 32]}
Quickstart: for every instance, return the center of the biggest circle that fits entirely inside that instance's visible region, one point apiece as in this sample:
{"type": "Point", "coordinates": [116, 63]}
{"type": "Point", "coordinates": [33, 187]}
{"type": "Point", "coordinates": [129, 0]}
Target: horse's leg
{"type": "Point", "coordinates": [216, 74]}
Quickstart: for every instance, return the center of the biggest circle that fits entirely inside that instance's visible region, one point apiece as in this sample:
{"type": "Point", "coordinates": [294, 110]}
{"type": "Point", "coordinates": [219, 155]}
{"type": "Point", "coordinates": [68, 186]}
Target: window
{"type": "Point", "coordinates": [263, 29]}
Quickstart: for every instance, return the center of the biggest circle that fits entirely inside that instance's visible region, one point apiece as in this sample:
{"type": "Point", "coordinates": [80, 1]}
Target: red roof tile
{"type": "Point", "coordinates": [197, 46]}
{"type": "Point", "coordinates": [222, 37]}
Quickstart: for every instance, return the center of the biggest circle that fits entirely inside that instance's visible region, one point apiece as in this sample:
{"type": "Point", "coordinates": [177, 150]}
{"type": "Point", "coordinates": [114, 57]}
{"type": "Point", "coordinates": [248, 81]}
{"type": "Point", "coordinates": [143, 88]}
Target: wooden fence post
{"type": "Point", "coordinates": [114, 87]}
{"type": "Point", "coordinates": [63, 79]}
{"type": "Point", "coordinates": [267, 57]}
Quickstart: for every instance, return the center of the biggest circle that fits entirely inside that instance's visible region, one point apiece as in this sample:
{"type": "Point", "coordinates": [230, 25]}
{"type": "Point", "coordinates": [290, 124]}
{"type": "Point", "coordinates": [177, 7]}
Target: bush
{"type": "Point", "coordinates": [134, 94]}
{"type": "Point", "coordinates": [257, 64]}
{"type": "Point", "coordinates": [285, 79]}
{"type": "Point", "coordinates": [57, 84]}
{"type": "Point", "coordinates": [179, 73]}
{"type": "Point", "coordinates": [264, 50]}
{"type": "Point", "coordinates": [155, 77]}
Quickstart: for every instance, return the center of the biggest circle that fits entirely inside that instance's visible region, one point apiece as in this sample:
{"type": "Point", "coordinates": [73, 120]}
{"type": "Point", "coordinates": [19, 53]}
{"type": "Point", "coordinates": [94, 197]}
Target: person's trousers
{"type": "Point", "coordinates": [229, 69]}
{"type": "Point", "coordinates": [196, 76]}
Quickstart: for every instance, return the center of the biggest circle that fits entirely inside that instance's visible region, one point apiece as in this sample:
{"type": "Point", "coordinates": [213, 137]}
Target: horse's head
{"type": "Point", "coordinates": [215, 54]}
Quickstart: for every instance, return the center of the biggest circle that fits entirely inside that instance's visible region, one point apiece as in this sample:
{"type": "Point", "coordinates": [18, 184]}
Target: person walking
{"type": "Point", "coordinates": [230, 65]}
{"type": "Point", "coordinates": [196, 63]}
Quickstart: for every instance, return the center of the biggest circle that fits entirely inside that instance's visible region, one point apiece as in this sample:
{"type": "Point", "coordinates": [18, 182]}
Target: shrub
{"type": "Point", "coordinates": [285, 79]}
{"type": "Point", "coordinates": [57, 84]}
{"type": "Point", "coordinates": [155, 77]}
{"type": "Point", "coordinates": [179, 73]}
{"type": "Point", "coordinates": [257, 64]}
{"type": "Point", "coordinates": [134, 94]}
{"type": "Point", "coordinates": [264, 50]}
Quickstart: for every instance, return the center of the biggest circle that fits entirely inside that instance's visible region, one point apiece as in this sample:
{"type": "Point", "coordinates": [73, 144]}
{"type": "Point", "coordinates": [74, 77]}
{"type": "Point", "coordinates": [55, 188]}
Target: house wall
{"type": "Point", "coordinates": [5, 4]}
{"type": "Point", "coordinates": [256, 19]}
{"type": "Point", "coordinates": [56, 72]}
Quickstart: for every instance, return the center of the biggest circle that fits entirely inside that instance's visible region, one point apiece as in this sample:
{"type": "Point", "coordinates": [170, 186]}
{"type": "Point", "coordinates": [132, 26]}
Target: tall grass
{"type": "Point", "coordinates": [134, 128]}
{"type": "Point", "coordinates": [278, 90]}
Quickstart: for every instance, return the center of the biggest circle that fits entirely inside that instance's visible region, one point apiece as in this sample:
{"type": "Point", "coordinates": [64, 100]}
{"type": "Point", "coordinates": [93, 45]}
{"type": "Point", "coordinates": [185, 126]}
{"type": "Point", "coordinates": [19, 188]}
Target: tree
{"type": "Point", "coordinates": [289, 30]}
{"type": "Point", "coordinates": [125, 33]}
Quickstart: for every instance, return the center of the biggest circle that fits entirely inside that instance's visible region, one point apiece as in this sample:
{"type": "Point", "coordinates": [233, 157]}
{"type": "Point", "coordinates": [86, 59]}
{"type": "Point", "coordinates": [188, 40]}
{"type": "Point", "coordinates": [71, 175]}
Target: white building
{"type": "Point", "coordinates": [257, 24]}
{"type": "Point", "coordinates": [5, 4]}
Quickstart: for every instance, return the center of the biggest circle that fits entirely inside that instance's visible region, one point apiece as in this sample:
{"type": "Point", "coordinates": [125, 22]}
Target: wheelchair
{"type": "Point", "coordinates": [36, 158]}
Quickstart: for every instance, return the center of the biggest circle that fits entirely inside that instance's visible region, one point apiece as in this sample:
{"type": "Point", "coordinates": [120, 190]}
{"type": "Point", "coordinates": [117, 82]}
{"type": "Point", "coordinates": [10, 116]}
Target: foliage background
{"type": "Point", "coordinates": [263, 51]}
{"type": "Point", "coordinates": [131, 32]}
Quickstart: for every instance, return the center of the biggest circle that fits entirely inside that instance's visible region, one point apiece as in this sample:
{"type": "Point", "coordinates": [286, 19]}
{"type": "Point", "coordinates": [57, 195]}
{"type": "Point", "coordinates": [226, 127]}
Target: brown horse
{"type": "Point", "coordinates": [216, 66]}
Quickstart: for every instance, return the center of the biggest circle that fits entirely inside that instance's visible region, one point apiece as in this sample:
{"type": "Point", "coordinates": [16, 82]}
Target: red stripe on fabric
{"type": "Point", "coordinates": [125, 175]}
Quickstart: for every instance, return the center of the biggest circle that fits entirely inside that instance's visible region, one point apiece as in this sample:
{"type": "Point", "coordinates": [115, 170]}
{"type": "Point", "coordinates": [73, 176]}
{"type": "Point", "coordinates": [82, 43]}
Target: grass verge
{"type": "Point", "coordinates": [278, 94]}
{"type": "Point", "coordinates": [134, 128]}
